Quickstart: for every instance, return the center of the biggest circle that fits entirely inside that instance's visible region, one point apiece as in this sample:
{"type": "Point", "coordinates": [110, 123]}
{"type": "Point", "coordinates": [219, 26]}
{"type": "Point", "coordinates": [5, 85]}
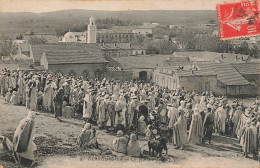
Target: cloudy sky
{"type": "Point", "coordinates": [39, 6]}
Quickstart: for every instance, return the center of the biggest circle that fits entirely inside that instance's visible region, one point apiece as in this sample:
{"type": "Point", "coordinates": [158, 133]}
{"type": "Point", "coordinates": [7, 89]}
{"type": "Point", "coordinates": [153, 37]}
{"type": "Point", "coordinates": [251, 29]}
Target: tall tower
{"type": "Point", "coordinates": [92, 31]}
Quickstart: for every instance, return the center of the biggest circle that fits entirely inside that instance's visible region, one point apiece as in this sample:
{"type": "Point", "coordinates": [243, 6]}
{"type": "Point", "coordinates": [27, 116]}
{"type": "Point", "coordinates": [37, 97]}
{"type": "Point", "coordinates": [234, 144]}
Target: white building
{"type": "Point", "coordinates": [88, 36]}
{"type": "Point", "coordinates": [74, 37]}
{"type": "Point", "coordinates": [146, 28]}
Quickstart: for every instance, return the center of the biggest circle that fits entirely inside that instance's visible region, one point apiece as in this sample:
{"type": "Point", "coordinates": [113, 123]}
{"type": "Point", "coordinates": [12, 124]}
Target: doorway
{"type": "Point", "coordinates": [143, 76]}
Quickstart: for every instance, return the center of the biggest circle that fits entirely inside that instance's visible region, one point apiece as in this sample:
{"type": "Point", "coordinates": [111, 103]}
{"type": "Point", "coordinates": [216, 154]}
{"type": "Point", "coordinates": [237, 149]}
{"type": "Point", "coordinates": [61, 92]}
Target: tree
{"type": "Point", "coordinates": [7, 46]}
{"type": "Point", "coordinates": [186, 39]}
{"type": "Point", "coordinates": [212, 21]}
{"type": "Point", "coordinates": [253, 51]}
{"type": "Point", "coordinates": [139, 39]}
{"type": "Point", "coordinates": [61, 31]}
{"type": "Point", "coordinates": [223, 46]}
{"type": "Point", "coordinates": [149, 35]}
{"type": "Point", "coordinates": [242, 49]}
{"type": "Point", "coordinates": [19, 37]}
{"type": "Point", "coordinates": [161, 47]}
{"type": "Point", "coordinates": [166, 47]}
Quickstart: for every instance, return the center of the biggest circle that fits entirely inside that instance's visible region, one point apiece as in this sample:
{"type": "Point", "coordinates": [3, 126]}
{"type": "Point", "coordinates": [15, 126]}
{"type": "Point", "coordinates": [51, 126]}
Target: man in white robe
{"type": "Point", "coordinates": [23, 145]}
{"type": "Point", "coordinates": [221, 116]}
{"type": "Point", "coordinates": [88, 106]}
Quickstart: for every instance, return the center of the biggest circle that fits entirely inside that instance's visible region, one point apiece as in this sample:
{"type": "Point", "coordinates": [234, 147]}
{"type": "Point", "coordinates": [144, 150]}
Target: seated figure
{"type": "Point", "coordinates": [87, 138]}
{"type": "Point", "coordinates": [120, 143]}
{"type": "Point", "coordinates": [133, 148]}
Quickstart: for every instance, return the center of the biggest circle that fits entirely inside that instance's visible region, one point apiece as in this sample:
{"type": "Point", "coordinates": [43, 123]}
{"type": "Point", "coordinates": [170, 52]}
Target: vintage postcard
{"type": "Point", "coordinates": [129, 83]}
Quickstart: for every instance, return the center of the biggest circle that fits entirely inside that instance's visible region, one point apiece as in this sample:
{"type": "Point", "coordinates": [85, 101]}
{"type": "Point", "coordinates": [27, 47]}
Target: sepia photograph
{"type": "Point", "coordinates": [129, 84]}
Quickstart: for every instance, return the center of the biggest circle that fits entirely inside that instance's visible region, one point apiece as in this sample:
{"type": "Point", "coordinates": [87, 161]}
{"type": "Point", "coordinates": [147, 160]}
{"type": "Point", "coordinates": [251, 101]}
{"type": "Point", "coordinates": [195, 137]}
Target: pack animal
{"type": "Point", "coordinates": [157, 146]}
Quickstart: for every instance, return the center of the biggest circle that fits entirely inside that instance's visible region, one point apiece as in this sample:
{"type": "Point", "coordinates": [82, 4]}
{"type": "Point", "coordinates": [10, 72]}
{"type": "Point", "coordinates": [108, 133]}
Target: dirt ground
{"type": "Point", "coordinates": [56, 147]}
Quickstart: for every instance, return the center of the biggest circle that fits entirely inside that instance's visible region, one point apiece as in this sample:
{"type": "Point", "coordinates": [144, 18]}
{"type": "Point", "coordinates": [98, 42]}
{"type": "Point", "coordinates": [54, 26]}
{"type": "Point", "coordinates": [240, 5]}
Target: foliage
{"type": "Point", "coordinates": [245, 49]}
{"type": "Point", "coordinates": [139, 39]}
{"type": "Point", "coordinates": [186, 39]}
{"type": "Point", "coordinates": [106, 23]}
{"type": "Point", "coordinates": [149, 35]}
{"type": "Point", "coordinates": [162, 47]}
{"type": "Point", "coordinates": [242, 49]}
{"type": "Point", "coordinates": [212, 21]}
{"type": "Point", "coordinates": [253, 51]}
{"type": "Point", "coordinates": [7, 46]}
{"type": "Point", "coordinates": [109, 22]}
{"type": "Point", "coordinates": [19, 37]}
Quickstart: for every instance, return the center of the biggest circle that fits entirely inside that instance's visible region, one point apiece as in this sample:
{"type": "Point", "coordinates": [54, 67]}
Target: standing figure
{"type": "Point", "coordinates": [33, 96]}
{"type": "Point", "coordinates": [221, 116]}
{"type": "Point", "coordinates": [132, 112]}
{"type": "Point", "coordinates": [103, 112]}
{"type": "Point", "coordinates": [248, 141]}
{"type": "Point", "coordinates": [48, 97]}
{"type": "Point", "coordinates": [120, 110]}
{"type": "Point", "coordinates": [196, 127]}
{"type": "Point", "coordinates": [208, 124]}
{"type": "Point", "coordinates": [235, 119]}
{"type": "Point", "coordinates": [180, 131]}
{"type": "Point", "coordinates": [58, 100]}
{"type": "Point", "coordinates": [88, 106]}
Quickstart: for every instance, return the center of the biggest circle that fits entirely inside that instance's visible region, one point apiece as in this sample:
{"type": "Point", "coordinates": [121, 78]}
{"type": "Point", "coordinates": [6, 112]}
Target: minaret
{"type": "Point", "coordinates": [92, 31]}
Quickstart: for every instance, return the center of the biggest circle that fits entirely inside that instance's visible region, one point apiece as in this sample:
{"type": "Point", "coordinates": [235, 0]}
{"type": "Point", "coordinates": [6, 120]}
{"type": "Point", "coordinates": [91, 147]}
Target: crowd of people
{"type": "Point", "coordinates": [133, 109]}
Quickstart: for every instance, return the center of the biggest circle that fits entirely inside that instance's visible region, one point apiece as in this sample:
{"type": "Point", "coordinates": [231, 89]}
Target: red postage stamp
{"type": "Point", "coordinates": [239, 19]}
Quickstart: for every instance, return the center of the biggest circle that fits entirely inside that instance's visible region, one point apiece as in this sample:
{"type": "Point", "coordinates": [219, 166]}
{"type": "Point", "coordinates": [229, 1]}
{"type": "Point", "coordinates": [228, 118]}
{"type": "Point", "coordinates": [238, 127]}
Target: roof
{"type": "Point", "coordinates": [226, 73]}
{"type": "Point", "coordinates": [138, 47]}
{"type": "Point", "coordinates": [111, 46]}
{"type": "Point", "coordinates": [177, 61]}
{"type": "Point", "coordinates": [186, 73]}
{"type": "Point", "coordinates": [124, 46]}
{"type": "Point", "coordinates": [24, 47]}
{"type": "Point", "coordinates": [72, 56]}
{"type": "Point", "coordinates": [147, 26]}
{"type": "Point", "coordinates": [213, 56]}
{"type": "Point", "coordinates": [247, 68]}
{"type": "Point", "coordinates": [71, 50]}
{"type": "Point", "coordinates": [141, 62]}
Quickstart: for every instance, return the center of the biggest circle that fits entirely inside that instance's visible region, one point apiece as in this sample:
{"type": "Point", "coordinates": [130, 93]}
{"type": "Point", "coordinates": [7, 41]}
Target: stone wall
{"type": "Point", "coordinates": [255, 80]}
{"type": "Point", "coordinates": [119, 75]}
{"type": "Point", "coordinates": [190, 83]}
{"type": "Point", "coordinates": [201, 84]}
{"type": "Point", "coordinates": [90, 70]}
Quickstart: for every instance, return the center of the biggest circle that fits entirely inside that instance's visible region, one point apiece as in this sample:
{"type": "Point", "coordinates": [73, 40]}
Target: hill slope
{"type": "Point", "coordinates": [15, 23]}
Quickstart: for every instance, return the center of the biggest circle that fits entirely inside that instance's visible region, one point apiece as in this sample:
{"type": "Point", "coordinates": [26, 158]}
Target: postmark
{"type": "Point", "coordinates": [239, 19]}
